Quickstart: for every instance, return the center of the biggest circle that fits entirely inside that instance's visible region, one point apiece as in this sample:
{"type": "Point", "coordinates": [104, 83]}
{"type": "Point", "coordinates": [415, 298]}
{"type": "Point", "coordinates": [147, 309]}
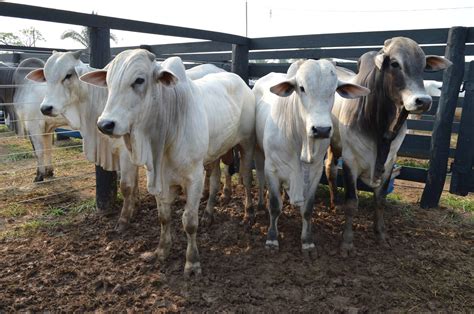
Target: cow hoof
{"type": "Point", "coordinates": [272, 245]}
{"type": "Point", "coordinates": [49, 173]}
{"type": "Point", "coordinates": [192, 268]}
{"type": "Point", "coordinates": [162, 254]}
{"type": "Point", "coordinates": [121, 227]}
{"type": "Point", "coordinates": [347, 249]}
{"type": "Point", "coordinates": [226, 198]}
{"type": "Point", "coordinates": [39, 178]}
{"type": "Point", "coordinates": [207, 219]}
{"type": "Point", "coordinates": [383, 241]}
{"type": "Point", "coordinates": [309, 251]}
{"type": "Point", "coordinates": [149, 257]}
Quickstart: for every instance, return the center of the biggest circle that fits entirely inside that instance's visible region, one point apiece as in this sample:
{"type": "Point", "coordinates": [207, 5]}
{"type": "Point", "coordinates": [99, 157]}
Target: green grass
{"type": "Point", "coordinates": [418, 163]}
{"type": "Point", "coordinates": [77, 143]}
{"type": "Point", "coordinates": [458, 202]}
{"type": "Point", "coordinates": [13, 210]}
{"type": "Point", "coordinates": [4, 128]}
{"type": "Point", "coordinates": [17, 152]}
{"type": "Point", "coordinates": [53, 217]}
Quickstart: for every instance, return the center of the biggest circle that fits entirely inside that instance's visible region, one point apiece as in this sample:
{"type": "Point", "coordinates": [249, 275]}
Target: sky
{"type": "Point", "coordinates": [265, 17]}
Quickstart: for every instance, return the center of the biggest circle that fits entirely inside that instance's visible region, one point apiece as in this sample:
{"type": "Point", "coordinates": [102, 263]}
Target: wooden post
{"type": "Point", "coordinates": [106, 181]}
{"type": "Point", "coordinates": [462, 168]}
{"type": "Point", "coordinates": [240, 61]}
{"type": "Point", "coordinates": [441, 137]}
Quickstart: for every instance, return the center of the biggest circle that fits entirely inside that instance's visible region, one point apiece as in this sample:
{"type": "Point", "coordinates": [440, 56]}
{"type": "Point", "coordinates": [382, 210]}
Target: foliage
{"type": "Point", "coordinates": [26, 37]}
{"type": "Point", "coordinates": [82, 36]}
{"type": "Point", "coordinates": [464, 204]}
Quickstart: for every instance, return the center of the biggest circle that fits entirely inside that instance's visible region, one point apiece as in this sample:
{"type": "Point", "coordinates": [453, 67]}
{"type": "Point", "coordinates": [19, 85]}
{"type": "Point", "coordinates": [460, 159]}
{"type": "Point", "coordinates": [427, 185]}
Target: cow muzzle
{"type": "Point", "coordinates": [419, 104]}
{"type": "Point", "coordinates": [47, 110]}
{"type": "Point", "coordinates": [106, 126]}
{"type": "Point", "coordinates": [320, 132]}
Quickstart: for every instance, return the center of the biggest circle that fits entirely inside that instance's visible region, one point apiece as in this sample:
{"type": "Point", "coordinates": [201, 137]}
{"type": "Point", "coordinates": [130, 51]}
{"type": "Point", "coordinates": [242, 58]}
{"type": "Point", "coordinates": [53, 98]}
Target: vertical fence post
{"type": "Point", "coordinates": [106, 181]}
{"type": "Point", "coordinates": [441, 137]}
{"type": "Point", "coordinates": [240, 61]}
{"type": "Point", "coordinates": [461, 180]}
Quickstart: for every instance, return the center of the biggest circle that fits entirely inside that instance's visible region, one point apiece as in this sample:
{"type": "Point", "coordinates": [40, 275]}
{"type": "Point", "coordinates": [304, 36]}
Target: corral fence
{"type": "Point", "coordinates": [431, 137]}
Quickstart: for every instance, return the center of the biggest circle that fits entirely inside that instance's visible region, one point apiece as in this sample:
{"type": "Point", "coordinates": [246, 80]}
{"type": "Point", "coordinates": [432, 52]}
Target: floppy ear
{"type": "Point", "coordinates": [284, 89]}
{"type": "Point", "coordinates": [36, 76]}
{"type": "Point", "coordinates": [436, 63]}
{"type": "Point", "coordinates": [97, 78]}
{"type": "Point", "coordinates": [379, 60]}
{"type": "Point", "coordinates": [350, 90]}
{"type": "Point", "coordinates": [166, 77]}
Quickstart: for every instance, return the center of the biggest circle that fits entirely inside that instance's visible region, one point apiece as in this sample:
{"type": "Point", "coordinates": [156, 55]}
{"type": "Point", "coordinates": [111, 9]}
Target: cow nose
{"type": "Point", "coordinates": [321, 132]}
{"type": "Point", "coordinates": [106, 126]}
{"type": "Point", "coordinates": [46, 110]}
{"type": "Point", "coordinates": [423, 102]}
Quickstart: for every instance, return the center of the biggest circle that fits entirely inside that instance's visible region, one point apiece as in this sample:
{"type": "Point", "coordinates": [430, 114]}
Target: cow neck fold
{"type": "Point", "coordinates": [160, 127]}
{"type": "Point", "coordinates": [289, 119]}
{"type": "Point", "coordinates": [98, 147]}
{"type": "Point", "coordinates": [379, 117]}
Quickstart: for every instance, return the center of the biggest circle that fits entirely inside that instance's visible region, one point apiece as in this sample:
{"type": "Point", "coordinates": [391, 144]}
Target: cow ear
{"type": "Point", "coordinates": [77, 54]}
{"type": "Point", "coordinates": [166, 77]}
{"type": "Point", "coordinates": [284, 89]}
{"type": "Point", "coordinates": [379, 60]}
{"type": "Point", "coordinates": [97, 78]}
{"type": "Point", "coordinates": [36, 76]}
{"type": "Point", "coordinates": [436, 63]}
{"type": "Point", "coordinates": [351, 91]}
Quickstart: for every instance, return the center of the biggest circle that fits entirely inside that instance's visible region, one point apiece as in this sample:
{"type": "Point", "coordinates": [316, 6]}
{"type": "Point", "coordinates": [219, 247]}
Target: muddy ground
{"type": "Point", "coordinates": [81, 264]}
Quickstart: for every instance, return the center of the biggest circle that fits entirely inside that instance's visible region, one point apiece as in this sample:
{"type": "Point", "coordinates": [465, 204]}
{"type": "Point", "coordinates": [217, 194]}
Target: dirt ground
{"type": "Point", "coordinates": [79, 263]}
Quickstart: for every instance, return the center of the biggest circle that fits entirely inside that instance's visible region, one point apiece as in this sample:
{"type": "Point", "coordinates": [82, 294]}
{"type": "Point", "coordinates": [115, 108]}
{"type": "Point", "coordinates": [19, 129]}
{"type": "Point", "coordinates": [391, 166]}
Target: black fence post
{"type": "Point", "coordinates": [462, 177]}
{"type": "Point", "coordinates": [441, 137]}
{"type": "Point", "coordinates": [240, 61]}
{"type": "Point", "coordinates": [106, 181]}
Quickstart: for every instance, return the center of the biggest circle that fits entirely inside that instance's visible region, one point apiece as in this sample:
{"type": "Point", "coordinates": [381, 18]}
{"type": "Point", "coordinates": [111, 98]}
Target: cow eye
{"type": "Point", "coordinates": [138, 81]}
{"type": "Point", "coordinates": [395, 64]}
{"type": "Point", "coordinates": [302, 89]}
{"type": "Point", "coordinates": [68, 76]}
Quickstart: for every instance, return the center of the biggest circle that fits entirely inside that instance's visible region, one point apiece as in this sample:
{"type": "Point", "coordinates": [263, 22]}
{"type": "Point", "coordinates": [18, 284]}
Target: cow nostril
{"type": "Point", "coordinates": [423, 101]}
{"type": "Point", "coordinates": [321, 132]}
{"type": "Point", "coordinates": [106, 126]}
{"type": "Point", "coordinates": [46, 110]}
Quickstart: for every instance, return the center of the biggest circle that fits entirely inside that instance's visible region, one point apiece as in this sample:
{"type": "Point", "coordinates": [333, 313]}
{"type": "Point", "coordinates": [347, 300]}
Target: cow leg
{"type": "Point", "coordinates": [129, 190]}
{"type": "Point", "coordinates": [227, 185]}
{"type": "Point", "coordinates": [214, 185]}
{"type": "Point", "coordinates": [350, 206]}
{"type": "Point", "coordinates": [260, 167]}
{"type": "Point", "coordinates": [164, 215]}
{"type": "Point", "coordinates": [307, 242]}
{"type": "Point", "coordinates": [205, 193]}
{"type": "Point", "coordinates": [276, 205]}
{"type": "Point", "coordinates": [190, 222]}
{"type": "Point", "coordinates": [38, 144]}
{"type": "Point", "coordinates": [379, 198]}
{"type": "Point", "coordinates": [247, 150]}
{"type": "Point", "coordinates": [331, 175]}
{"type": "Point", "coordinates": [47, 154]}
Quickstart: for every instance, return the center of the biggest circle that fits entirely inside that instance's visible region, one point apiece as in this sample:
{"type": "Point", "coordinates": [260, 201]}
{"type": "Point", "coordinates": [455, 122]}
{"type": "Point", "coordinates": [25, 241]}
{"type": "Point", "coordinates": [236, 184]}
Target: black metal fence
{"type": "Point", "coordinates": [255, 57]}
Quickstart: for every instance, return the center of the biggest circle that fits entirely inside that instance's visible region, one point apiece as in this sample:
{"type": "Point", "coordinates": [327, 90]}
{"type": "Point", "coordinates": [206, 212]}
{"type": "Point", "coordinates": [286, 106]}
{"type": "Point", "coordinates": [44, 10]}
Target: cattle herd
{"type": "Point", "coordinates": [179, 123]}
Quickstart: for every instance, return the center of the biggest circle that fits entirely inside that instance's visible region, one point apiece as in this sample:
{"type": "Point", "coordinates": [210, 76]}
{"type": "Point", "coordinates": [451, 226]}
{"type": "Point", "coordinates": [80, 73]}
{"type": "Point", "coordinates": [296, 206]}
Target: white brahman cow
{"type": "Point", "coordinates": [81, 104]}
{"type": "Point", "coordinates": [293, 130]}
{"type": "Point", "coordinates": [27, 117]}
{"type": "Point", "coordinates": [174, 126]}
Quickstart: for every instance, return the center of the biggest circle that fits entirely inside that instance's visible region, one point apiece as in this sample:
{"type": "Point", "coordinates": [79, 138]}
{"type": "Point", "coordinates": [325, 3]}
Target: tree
{"type": "Point", "coordinates": [30, 36]}
{"type": "Point", "coordinates": [9, 39]}
{"type": "Point", "coordinates": [82, 37]}
{"type": "Point", "coordinates": [27, 37]}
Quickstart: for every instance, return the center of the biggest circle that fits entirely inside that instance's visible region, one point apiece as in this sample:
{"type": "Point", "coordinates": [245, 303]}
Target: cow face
{"type": "Point", "coordinates": [64, 90]}
{"type": "Point", "coordinates": [130, 82]}
{"type": "Point", "coordinates": [402, 63]}
{"type": "Point", "coordinates": [314, 84]}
